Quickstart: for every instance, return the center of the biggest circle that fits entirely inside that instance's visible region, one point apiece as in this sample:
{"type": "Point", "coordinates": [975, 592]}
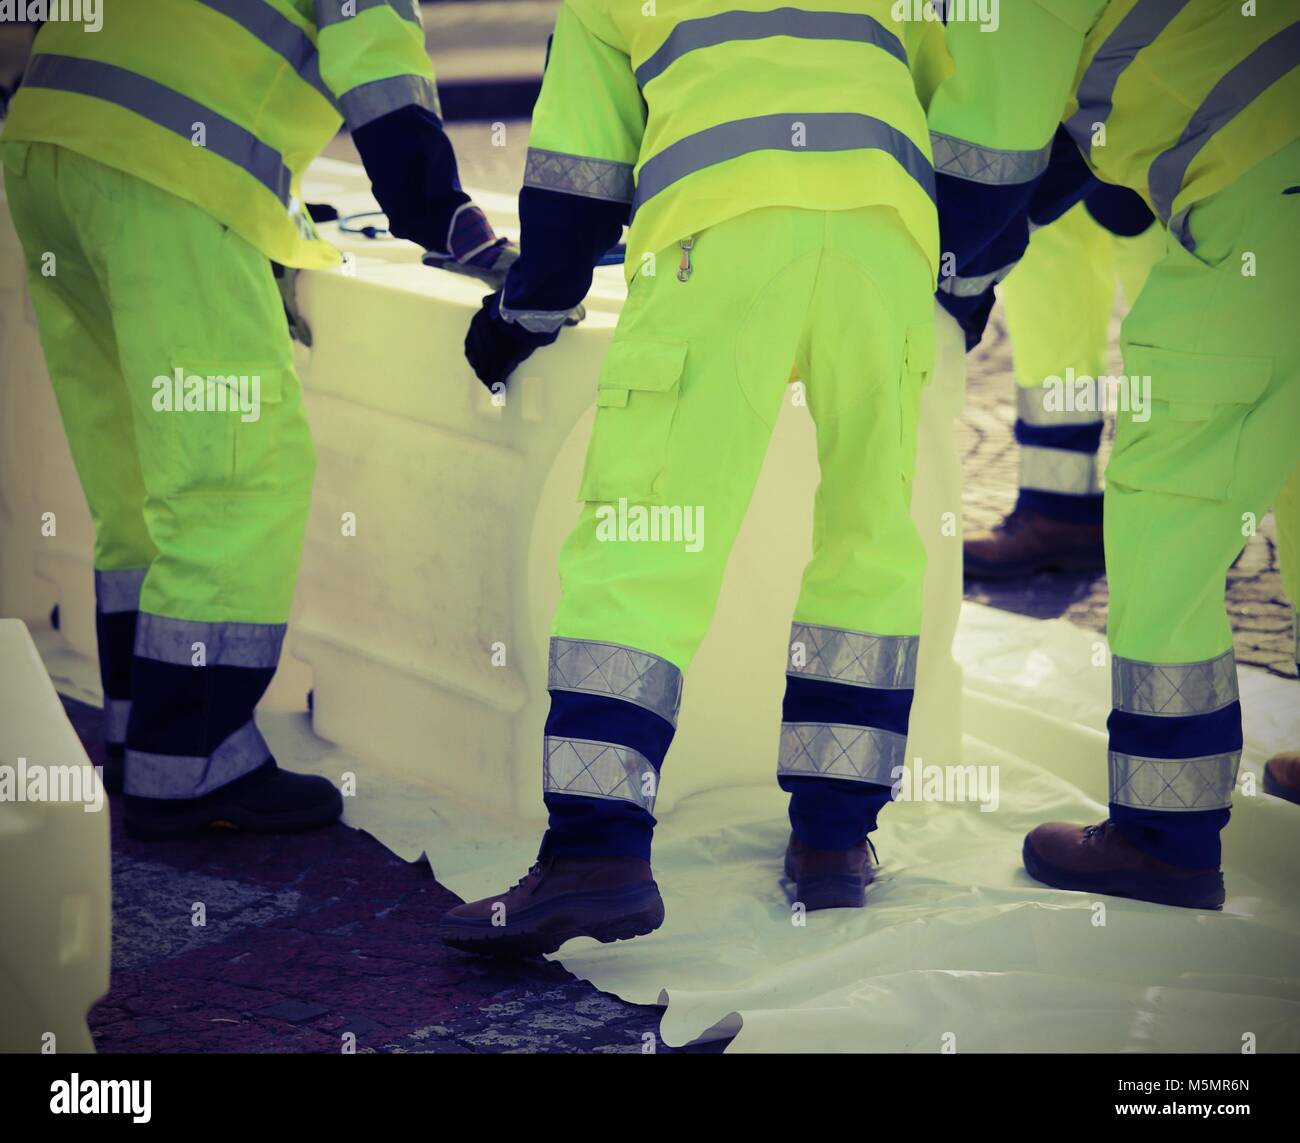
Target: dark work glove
{"type": "Point", "coordinates": [495, 348]}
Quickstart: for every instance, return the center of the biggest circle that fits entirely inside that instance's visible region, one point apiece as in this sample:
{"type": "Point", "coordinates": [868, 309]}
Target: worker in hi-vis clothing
{"type": "Point", "coordinates": [774, 163]}
{"type": "Point", "coordinates": [1058, 303]}
{"type": "Point", "coordinates": [1196, 107]}
{"type": "Point", "coordinates": [153, 171]}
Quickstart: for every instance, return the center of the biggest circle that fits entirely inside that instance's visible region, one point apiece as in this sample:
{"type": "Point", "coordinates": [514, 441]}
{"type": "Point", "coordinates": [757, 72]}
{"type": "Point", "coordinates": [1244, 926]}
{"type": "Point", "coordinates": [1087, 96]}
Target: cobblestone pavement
{"type": "Point", "coordinates": [312, 936]}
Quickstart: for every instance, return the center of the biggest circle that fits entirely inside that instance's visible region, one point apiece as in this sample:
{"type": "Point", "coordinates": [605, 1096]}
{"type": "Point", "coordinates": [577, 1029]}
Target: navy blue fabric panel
{"type": "Point", "coordinates": [1187, 839]}
{"type": "Point", "coordinates": [972, 215]}
{"type": "Point", "coordinates": [601, 718]}
{"type": "Point", "coordinates": [597, 827]}
{"type": "Point", "coordinates": [1064, 183]}
{"type": "Point", "coordinates": [831, 813]}
{"type": "Point", "coordinates": [115, 634]}
{"type": "Point", "coordinates": [586, 826]}
{"type": "Point", "coordinates": [412, 171]}
{"type": "Point", "coordinates": [1189, 736]}
{"type": "Point", "coordinates": [187, 710]}
{"type": "Point", "coordinates": [1069, 438]}
{"type": "Point", "coordinates": [1062, 506]}
{"type": "Point", "coordinates": [817, 700]}
{"type": "Point", "coordinates": [562, 237]}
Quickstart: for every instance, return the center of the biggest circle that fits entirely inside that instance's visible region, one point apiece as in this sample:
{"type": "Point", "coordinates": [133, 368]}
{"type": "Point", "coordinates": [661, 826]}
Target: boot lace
{"type": "Point", "coordinates": [533, 870]}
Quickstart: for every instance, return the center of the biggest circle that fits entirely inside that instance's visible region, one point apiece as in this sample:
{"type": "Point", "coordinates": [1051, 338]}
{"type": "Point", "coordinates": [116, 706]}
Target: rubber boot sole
{"type": "Point", "coordinates": [1204, 891]}
{"type": "Point", "coordinates": [607, 915]}
{"type": "Point", "coordinates": [231, 816]}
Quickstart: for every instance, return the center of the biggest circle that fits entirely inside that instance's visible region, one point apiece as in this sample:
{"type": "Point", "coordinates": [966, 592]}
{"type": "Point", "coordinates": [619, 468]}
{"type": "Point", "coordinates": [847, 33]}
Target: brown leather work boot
{"type": "Point", "coordinates": [609, 898]}
{"type": "Point", "coordinates": [1282, 776]}
{"type": "Point", "coordinates": [829, 878]}
{"type": "Point", "coordinates": [1098, 859]}
{"type": "Point", "coordinates": [1027, 542]}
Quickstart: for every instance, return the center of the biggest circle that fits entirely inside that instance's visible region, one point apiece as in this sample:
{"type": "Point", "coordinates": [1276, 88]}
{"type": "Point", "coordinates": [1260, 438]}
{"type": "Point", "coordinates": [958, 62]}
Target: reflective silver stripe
{"type": "Point", "coordinates": [331, 11]}
{"type": "Point", "coordinates": [1139, 28]}
{"type": "Point", "coordinates": [574, 174]}
{"type": "Point", "coordinates": [1176, 689]}
{"type": "Point", "coordinates": [821, 131]}
{"type": "Point", "coordinates": [619, 672]}
{"type": "Point", "coordinates": [1261, 69]}
{"type": "Point", "coordinates": [830, 750]}
{"type": "Point", "coordinates": [1173, 784]}
{"type": "Point", "coordinates": [960, 287]}
{"type": "Point", "coordinates": [165, 107]}
{"type": "Point", "coordinates": [184, 776]}
{"type": "Point", "coordinates": [586, 769]}
{"type": "Point", "coordinates": [118, 590]}
{"type": "Point", "coordinates": [1059, 470]}
{"type": "Point", "coordinates": [278, 33]}
{"type": "Point", "coordinates": [1031, 408]}
{"type": "Point", "coordinates": [988, 165]}
{"type": "Point", "coordinates": [535, 321]}
{"type": "Point", "coordinates": [224, 644]}
{"type": "Point", "coordinates": [117, 712]}
{"type": "Point", "coordinates": [853, 657]}
{"type": "Point", "coordinates": [370, 101]}
{"type": "Point", "coordinates": [725, 27]}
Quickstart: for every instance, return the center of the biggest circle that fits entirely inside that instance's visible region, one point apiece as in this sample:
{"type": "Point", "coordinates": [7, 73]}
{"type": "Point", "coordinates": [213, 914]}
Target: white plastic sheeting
{"type": "Point", "coordinates": [957, 948]}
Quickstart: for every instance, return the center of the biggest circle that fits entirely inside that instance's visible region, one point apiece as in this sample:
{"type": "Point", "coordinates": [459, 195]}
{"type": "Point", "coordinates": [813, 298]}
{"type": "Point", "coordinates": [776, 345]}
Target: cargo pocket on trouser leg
{"type": "Point", "coordinates": [1196, 405]}
{"type": "Point", "coordinates": [918, 367]}
{"type": "Point", "coordinates": [636, 403]}
{"type": "Point", "coordinates": [224, 427]}
{"type": "Point", "coordinates": [1174, 498]}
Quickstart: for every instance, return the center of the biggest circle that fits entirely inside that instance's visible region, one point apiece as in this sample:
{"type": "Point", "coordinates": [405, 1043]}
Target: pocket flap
{"type": "Point", "coordinates": [640, 366]}
{"type": "Point", "coordinates": [1199, 378]}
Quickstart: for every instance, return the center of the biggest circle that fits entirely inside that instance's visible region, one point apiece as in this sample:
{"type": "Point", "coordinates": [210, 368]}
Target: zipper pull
{"type": "Point", "coordinates": [685, 270]}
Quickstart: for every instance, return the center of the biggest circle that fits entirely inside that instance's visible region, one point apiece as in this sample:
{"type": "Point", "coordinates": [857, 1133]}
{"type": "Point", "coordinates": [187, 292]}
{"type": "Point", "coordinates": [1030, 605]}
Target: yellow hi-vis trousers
{"type": "Point", "coordinates": [165, 339]}
{"type": "Point", "coordinates": [1059, 302]}
{"type": "Point", "coordinates": [1210, 342]}
{"type": "Point", "coordinates": [687, 400]}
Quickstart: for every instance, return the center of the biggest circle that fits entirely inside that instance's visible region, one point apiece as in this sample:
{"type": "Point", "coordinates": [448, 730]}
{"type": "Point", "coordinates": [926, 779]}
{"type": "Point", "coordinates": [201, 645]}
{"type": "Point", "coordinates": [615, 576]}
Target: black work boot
{"type": "Point", "coordinates": [830, 878]}
{"type": "Point", "coordinates": [609, 898]}
{"type": "Point", "coordinates": [1099, 859]}
{"type": "Point", "coordinates": [1027, 542]}
{"type": "Point", "coordinates": [265, 800]}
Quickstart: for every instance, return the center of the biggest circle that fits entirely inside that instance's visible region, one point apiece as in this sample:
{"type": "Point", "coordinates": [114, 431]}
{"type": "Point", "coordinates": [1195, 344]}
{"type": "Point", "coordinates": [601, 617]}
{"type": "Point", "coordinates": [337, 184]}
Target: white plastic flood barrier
{"type": "Point", "coordinates": [428, 577]}
{"type": "Point", "coordinates": [54, 863]}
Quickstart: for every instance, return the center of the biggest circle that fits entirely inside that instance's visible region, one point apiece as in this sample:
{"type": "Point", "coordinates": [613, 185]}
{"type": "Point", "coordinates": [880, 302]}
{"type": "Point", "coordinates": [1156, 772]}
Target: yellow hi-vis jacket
{"type": "Point", "coordinates": [695, 111]}
{"type": "Point", "coordinates": [1171, 98]}
{"type": "Point", "coordinates": [225, 102]}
